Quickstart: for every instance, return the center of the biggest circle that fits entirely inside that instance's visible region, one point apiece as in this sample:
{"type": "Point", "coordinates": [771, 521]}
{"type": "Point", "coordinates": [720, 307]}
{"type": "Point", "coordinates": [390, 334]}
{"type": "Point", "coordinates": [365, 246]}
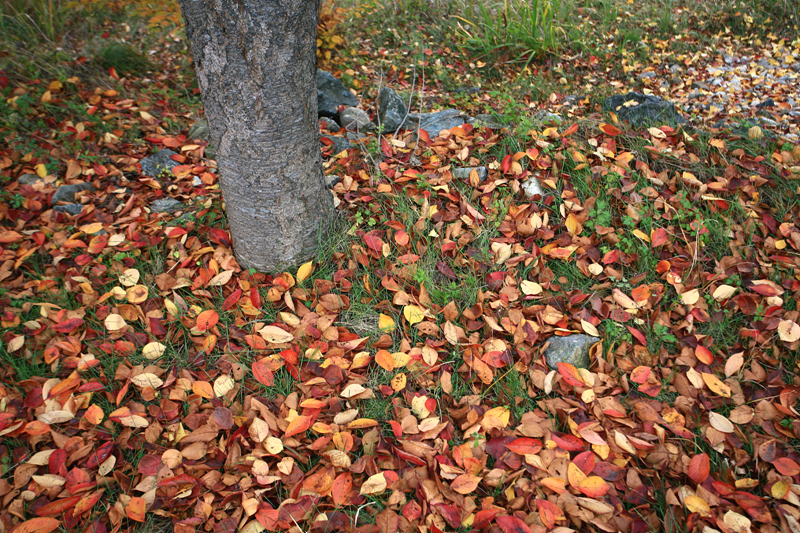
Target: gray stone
{"type": "Point", "coordinates": [467, 90]}
{"type": "Point", "coordinates": [332, 180]}
{"type": "Point", "coordinates": [70, 209]}
{"type": "Point", "coordinates": [330, 124]}
{"type": "Point", "coordinates": [464, 173]}
{"type": "Point", "coordinates": [392, 110]}
{"type": "Point", "coordinates": [546, 117]}
{"type": "Point", "coordinates": [157, 163]}
{"type": "Point", "coordinates": [199, 130]}
{"type": "Point", "coordinates": [66, 193]}
{"type": "Point", "coordinates": [643, 110]}
{"type": "Point", "coordinates": [532, 187]}
{"type": "Point", "coordinates": [355, 119]}
{"type": "Point", "coordinates": [647, 75]}
{"type": "Point", "coordinates": [728, 59]}
{"type": "Point", "coordinates": [433, 123]}
{"type": "Point", "coordinates": [197, 182]}
{"type": "Point", "coordinates": [166, 205]}
{"type": "Point", "coordinates": [572, 349]}
{"type": "Point", "coordinates": [29, 179]}
{"type": "Point", "coordinates": [339, 143]}
{"type": "Point", "coordinates": [355, 136]}
{"type": "Point", "coordinates": [769, 102]}
{"type": "Point", "coordinates": [700, 85]}
{"type": "Point", "coordinates": [487, 121]}
{"type": "Point", "coordinates": [210, 152]}
{"type": "Point", "coordinates": [331, 93]}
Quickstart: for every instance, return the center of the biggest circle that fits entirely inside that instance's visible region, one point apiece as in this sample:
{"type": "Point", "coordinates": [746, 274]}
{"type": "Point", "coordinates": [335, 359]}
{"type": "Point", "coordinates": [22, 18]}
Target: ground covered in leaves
{"type": "Point", "coordinates": [396, 381]}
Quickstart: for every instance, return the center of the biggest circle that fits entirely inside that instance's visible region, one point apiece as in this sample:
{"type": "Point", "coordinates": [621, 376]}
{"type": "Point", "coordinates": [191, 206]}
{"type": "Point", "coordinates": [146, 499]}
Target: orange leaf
{"type": "Point", "coordinates": [465, 483]}
{"type": "Point", "coordinates": [699, 468]}
{"type": "Point", "coordinates": [298, 425]}
{"type": "Point", "coordinates": [658, 237]}
{"type": "Point", "coordinates": [136, 508]}
{"type": "Point", "coordinates": [549, 513]}
{"type": "Point", "coordinates": [594, 487]}
{"type": "Point", "coordinates": [37, 525]}
{"type": "Point", "coordinates": [342, 487]}
{"type": "Point", "coordinates": [385, 360]}
{"type": "Point", "coordinates": [525, 446]}
{"type": "Point", "coordinates": [207, 319]}
{"type": "Point", "coordinates": [640, 374]}
{"type": "Point", "coordinates": [608, 129]}
{"type": "Point", "coordinates": [263, 374]}
{"type": "Point", "coordinates": [570, 374]}
{"type": "Point", "coordinates": [704, 355]}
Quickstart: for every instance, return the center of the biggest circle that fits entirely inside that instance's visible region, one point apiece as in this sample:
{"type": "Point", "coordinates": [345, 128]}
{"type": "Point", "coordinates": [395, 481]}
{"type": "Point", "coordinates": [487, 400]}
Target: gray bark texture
{"type": "Point", "coordinates": [255, 62]}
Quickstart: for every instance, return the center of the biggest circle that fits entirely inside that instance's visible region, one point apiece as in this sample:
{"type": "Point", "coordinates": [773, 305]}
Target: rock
{"type": "Point", "coordinates": [157, 163]}
{"type": "Point", "coordinates": [647, 75]}
{"type": "Point", "coordinates": [769, 102]}
{"type": "Point", "coordinates": [487, 121]}
{"type": "Point", "coordinates": [355, 136]}
{"type": "Point", "coordinates": [700, 85]}
{"type": "Point", "coordinates": [643, 110]}
{"type": "Point", "coordinates": [467, 90]}
{"type": "Point", "coordinates": [331, 93]}
{"type": "Point", "coordinates": [197, 182]}
{"type": "Point", "coordinates": [728, 59]}
{"type": "Point", "coordinates": [29, 179]}
{"type": "Point", "coordinates": [66, 193]}
{"type": "Point", "coordinates": [332, 180]}
{"type": "Point", "coordinates": [532, 187]}
{"type": "Point", "coordinates": [392, 110]}
{"type": "Point", "coordinates": [70, 209]}
{"type": "Point", "coordinates": [199, 130]}
{"type": "Point", "coordinates": [330, 124]}
{"type": "Point", "coordinates": [572, 349]}
{"type": "Point", "coordinates": [355, 119]}
{"type": "Point", "coordinates": [166, 205]}
{"type": "Point", "coordinates": [210, 152]}
{"type": "Point", "coordinates": [339, 143]}
{"type": "Point", "coordinates": [546, 117]}
{"type": "Point", "coordinates": [433, 123]}
{"type": "Point", "coordinates": [464, 173]}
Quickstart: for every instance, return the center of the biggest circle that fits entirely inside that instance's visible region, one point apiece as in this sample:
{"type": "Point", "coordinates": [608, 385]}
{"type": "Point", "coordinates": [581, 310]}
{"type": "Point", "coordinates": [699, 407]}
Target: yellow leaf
{"type": "Point", "coordinates": [153, 350]}
{"type": "Point", "coordinates": [385, 323]}
{"type": "Point", "coordinates": [723, 292]}
{"type": "Point", "coordinates": [696, 504]}
{"type": "Point", "coordinates": [589, 329]}
{"type": "Point", "coordinates": [413, 314]}
{"type": "Point", "coordinates": [690, 297]}
{"type": "Point", "coordinates": [642, 235]}
{"type": "Point", "coordinates": [399, 382]}
{"type": "Point", "coordinates": [530, 288]}
{"type": "Point", "coordinates": [304, 271]}
{"type": "Point", "coordinates": [41, 170]}
{"type": "Point", "coordinates": [114, 322]}
{"type": "Point", "coordinates": [788, 331]}
{"type": "Point", "coordinates": [136, 294]}
{"type": "Point", "coordinates": [374, 485]}
{"type": "Point", "coordinates": [718, 387]}
{"type": "Point", "coordinates": [222, 385]}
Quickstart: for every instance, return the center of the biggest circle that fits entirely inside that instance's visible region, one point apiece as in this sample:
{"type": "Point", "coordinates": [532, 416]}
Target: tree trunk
{"type": "Point", "coordinates": [255, 62]}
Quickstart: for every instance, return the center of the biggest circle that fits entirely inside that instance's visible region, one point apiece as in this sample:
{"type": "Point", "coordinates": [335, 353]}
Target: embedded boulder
{"type": "Point", "coordinates": [331, 93]}
{"type": "Point", "coordinates": [643, 110]}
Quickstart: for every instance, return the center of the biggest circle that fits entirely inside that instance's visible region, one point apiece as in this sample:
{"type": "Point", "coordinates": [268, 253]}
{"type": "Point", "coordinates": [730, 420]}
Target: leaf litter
{"type": "Point", "coordinates": [147, 374]}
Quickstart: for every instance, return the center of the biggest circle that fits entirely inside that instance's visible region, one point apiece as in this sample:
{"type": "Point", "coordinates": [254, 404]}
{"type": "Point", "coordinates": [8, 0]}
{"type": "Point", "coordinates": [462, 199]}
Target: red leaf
{"type": "Point", "coordinates": [512, 524]}
{"type": "Point", "coordinates": [608, 129]}
{"type": "Point", "coordinates": [658, 237]}
{"type": "Point", "coordinates": [231, 300]}
{"type": "Point", "coordinates": [699, 468]}
{"type": "Point", "coordinates": [373, 242]}
{"type": "Point", "coordinates": [263, 374]}
{"type": "Point", "coordinates": [506, 165]}
{"type": "Point", "coordinates": [570, 443]}
{"type": "Point", "coordinates": [639, 335]}
{"type": "Point", "coordinates": [58, 506]}
{"type": "Point", "coordinates": [484, 517]}
{"type": "Point", "coordinates": [704, 355]}
{"type": "Point", "coordinates": [786, 466]}
{"type": "Point", "coordinates": [100, 455]}
{"type": "Point", "coordinates": [525, 446]}
{"type": "Point", "coordinates": [68, 326]}
{"type": "Point", "coordinates": [219, 236]}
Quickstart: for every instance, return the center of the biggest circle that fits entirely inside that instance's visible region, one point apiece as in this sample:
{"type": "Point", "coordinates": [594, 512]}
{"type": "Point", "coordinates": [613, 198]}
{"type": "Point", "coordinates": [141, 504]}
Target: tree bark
{"type": "Point", "coordinates": [255, 62]}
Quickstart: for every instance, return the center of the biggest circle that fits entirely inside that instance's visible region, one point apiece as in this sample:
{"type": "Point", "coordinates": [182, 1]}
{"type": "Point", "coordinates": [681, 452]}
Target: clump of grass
{"type": "Point", "coordinates": [124, 58]}
{"type": "Point", "coordinates": [520, 30]}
